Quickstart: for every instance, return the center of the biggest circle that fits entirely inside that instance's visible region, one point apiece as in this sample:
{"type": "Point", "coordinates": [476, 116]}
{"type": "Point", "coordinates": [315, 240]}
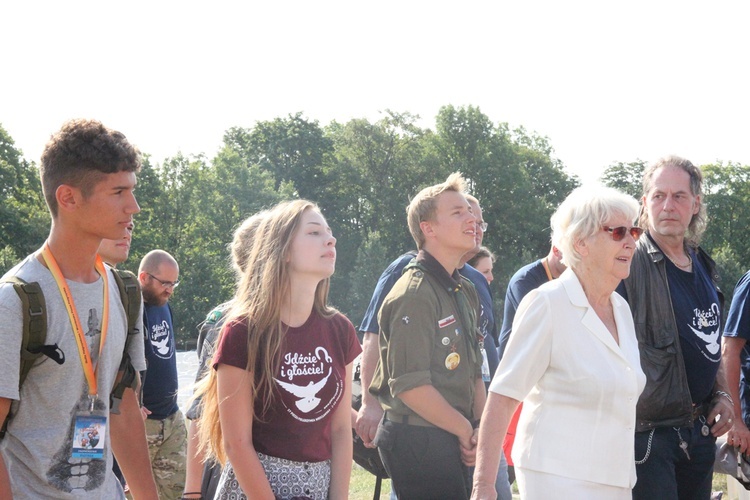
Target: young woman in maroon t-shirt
{"type": "Point", "coordinates": [277, 406]}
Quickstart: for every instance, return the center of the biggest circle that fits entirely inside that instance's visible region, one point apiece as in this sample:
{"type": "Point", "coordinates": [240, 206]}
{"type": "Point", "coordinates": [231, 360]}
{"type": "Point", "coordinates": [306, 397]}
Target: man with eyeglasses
{"type": "Point", "coordinates": [166, 428]}
{"type": "Point", "coordinates": [677, 308]}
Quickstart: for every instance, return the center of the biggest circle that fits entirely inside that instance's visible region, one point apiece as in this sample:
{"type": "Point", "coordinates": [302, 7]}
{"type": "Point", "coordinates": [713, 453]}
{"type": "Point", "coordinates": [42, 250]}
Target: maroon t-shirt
{"type": "Point", "coordinates": [309, 385]}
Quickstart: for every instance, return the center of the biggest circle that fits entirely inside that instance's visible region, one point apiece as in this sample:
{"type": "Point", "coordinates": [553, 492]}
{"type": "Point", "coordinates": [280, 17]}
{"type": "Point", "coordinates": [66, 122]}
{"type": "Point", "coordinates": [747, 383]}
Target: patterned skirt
{"type": "Point", "coordinates": [289, 480]}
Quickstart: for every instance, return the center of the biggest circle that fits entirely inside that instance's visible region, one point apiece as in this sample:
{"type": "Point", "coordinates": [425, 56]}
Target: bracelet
{"type": "Point", "coordinates": [726, 395]}
{"type": "Point", "coordinates": [192, 496]}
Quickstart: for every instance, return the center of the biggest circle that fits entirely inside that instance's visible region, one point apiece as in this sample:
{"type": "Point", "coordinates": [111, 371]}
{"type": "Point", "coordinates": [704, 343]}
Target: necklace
{"type": "Point", "coordinates": [681, 266]}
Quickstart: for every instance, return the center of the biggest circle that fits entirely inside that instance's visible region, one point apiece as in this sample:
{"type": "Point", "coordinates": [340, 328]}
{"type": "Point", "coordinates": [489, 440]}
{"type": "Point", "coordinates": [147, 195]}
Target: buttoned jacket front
{"type": "Point", "coordinates": [578, 386]}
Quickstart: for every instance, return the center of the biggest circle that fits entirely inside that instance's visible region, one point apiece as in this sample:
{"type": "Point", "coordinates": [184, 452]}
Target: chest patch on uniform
{"type": "Point", "coordinates": [442, 323]}
{"type": "Point", "coordinates": [405, 320]}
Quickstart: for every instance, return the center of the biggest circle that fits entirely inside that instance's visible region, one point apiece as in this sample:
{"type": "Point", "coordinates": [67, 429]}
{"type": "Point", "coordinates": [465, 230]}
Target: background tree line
{"type": "Point", "coordinates": [362, 175]}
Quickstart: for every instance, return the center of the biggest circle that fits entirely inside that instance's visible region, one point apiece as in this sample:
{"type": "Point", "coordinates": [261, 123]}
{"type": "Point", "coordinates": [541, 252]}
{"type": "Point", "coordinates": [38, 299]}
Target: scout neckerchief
{"type": "Point", "coordinates": [90, 427]}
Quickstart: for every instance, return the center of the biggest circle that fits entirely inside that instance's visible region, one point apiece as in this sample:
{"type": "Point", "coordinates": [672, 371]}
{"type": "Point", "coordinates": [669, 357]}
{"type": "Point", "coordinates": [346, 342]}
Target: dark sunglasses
{"type": "Point", "coordinates": [618, 233]}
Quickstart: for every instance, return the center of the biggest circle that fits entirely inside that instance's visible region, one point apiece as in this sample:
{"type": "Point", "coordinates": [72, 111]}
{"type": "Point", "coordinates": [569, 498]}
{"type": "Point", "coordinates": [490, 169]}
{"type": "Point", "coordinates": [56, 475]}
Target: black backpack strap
{"type": "Point", "coordinates": [378, 484]}
{"type": "Point", "coordinates": [34, 331]}
{"type": "Point", "coordinates": [130, 295]}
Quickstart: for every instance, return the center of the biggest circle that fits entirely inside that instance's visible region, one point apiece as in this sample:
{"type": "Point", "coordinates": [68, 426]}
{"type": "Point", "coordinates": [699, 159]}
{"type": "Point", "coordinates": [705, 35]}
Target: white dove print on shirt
{"type": "Point", "coordinates": [311, 387]}
{"type": "Point", "coordinates": [161, 340]}
{"type": "Point", "coordinates": [307, 392]}
{"type": "Point", "coordinates": [704, 321]}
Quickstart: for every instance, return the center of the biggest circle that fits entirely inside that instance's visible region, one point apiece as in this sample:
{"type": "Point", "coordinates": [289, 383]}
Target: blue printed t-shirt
{"type": "Point", "coordinates": [160, 384]}
{"type": "Point", "coordinates": [738, 325]}
{"type": "Point", "coordinates": [387, 279]}
{"type": "Point", "coordinates": [698, 315]}
{"type": "Point", "coordinates": [486, 321]}
{"type": "Point", "coordinates": [526, 279]}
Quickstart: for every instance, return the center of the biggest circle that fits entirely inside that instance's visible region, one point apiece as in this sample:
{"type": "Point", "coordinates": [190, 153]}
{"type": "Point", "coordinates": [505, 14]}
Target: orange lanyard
{"type": "Point", "coordinates": [546, 269]}
{"type": "Point", "coordinates": [89, 369]}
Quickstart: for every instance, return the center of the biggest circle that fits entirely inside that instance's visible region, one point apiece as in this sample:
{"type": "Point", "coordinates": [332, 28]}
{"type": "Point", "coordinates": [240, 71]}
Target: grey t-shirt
{"type": "Point", "coordinates": [37, 447]}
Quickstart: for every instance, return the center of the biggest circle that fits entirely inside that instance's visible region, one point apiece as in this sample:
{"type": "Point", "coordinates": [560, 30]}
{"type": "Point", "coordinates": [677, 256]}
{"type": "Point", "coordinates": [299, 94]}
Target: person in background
{"type": "Point", "coordinates": [277, 405]}
{"type": "Point", "coordinates": [88, 175]}
{"type": "Point", "coordinates": [166, 430]}
{"type": "Point", "coordinates": [115, 252]}
{"type": "Point", "coordinates": [202, 478]}
{"type": "Point", "coordinates": [573, 359]}
{"type": "Point", "coordinates": [483, 262]}
{"type": "Point", "coordinates": [736, 359]}
{"type": "Point", "coordinates": [428, 378]}
{"type": "Point", "coordinates": [528, 278]}
{"type": "Point", "coordinates": [677, 310]}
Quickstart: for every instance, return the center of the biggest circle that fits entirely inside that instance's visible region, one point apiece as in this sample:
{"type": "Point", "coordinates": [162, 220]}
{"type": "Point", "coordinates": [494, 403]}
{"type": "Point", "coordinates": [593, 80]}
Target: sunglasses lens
{"type": "Point", "coordinates": [636, 232]}
{"type": "Point", "coordinates": [619, 233]}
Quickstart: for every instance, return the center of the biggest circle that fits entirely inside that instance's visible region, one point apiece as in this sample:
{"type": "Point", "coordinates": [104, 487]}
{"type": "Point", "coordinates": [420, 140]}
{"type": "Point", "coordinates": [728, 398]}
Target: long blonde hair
{"type": "Point", "coordinates": [261, 292]}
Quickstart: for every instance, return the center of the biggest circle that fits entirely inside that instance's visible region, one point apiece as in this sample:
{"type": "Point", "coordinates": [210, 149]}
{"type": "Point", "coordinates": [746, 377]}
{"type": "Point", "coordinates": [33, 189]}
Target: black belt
{"type": "Point", "coordinates": [700, 410]}
{"type": "Point", "coordinates": [407, 419]}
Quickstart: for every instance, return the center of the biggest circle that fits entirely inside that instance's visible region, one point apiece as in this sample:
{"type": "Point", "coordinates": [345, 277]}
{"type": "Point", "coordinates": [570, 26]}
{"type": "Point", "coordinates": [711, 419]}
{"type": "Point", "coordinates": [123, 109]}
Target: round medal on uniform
{"type": "Point", "coordinates": [452, 361]}
{"type": "Point", "coordinates": [446, 341]}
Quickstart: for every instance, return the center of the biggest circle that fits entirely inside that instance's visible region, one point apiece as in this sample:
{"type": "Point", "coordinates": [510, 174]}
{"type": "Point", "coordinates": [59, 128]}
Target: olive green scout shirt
{"type": "Point", "coordinates": [428, 335]}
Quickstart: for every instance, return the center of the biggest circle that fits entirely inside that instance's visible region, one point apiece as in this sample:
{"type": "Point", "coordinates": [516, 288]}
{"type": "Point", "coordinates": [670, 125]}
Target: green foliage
{"type": "Point", "coordinates": [513, 175]}
{"type": "Point", "coordinates": [362, 174]}
{"type": "Point", "coordinates": [727, 198]}
{"type": "Point", "coordinates": [8, 259]}
{"type": "Point", "coordinates": [369, 264]}
{"type": "Point", "coordinates": [627, 177]}
{"type": "Point", "coordinates": [24, 219]}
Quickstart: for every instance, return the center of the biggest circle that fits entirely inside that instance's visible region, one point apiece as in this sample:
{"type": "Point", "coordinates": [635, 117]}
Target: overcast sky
{"type": "Point", "coordinates": [604, 81]}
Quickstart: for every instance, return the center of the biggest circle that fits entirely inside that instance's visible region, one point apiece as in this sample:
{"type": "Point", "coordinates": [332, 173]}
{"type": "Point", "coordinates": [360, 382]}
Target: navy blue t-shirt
{"type": "Point", "coordinates": [698, 315]}
{"type": "Point", "coordinates": [528, 278]}
{"type": "Point", "coordinates": [486, 318]}
{"type": "Point", "coordinates": [486, 315]}
{"type": "Point", "coordinates": [738, 325]}
{"type": "Point", "coordinates": [160, 384]}
{"type": "Point", "coordinates": [387, 279]}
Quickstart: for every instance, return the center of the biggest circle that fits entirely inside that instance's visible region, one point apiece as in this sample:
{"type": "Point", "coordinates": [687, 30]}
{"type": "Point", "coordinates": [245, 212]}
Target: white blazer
{"type": "Point", "coordinates": [578, 386]}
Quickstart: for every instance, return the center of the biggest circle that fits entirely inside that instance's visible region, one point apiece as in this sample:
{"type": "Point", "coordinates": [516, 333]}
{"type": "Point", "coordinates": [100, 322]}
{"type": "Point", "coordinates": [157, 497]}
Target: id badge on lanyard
{"type": "Point", "coordinates": [485, 363]}
{"type": "Point", "coordinates": [90, 430]}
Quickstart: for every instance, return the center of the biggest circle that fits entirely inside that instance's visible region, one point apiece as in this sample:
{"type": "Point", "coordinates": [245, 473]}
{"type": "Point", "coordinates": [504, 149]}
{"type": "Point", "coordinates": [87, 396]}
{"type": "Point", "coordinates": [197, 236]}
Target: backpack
{"type": "Point", "coordinates": [35, 333]}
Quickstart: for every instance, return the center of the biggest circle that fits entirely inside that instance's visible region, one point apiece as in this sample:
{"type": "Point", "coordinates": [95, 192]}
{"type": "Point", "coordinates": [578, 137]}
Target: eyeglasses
{"type": "Point", "coordinates": [618, 233]}
{"type": "Point", "coordinates": [482, 226]}
{"type": "Point", "coordinates": [166, 284]}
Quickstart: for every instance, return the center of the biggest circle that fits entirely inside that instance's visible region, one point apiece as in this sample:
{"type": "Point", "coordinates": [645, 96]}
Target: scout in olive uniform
{"type": "Point", "coordinates": [428, 378]}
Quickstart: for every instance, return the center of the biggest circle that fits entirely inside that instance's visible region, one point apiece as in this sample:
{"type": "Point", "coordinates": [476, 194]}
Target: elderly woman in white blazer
{"type": "Point", "coordinates": [573, 360]}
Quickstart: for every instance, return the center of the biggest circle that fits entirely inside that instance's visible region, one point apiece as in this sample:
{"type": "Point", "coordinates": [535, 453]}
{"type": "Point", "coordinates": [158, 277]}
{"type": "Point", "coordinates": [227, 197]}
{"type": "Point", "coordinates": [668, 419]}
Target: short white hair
{"type": "Point", "coordinates": [583, 213]}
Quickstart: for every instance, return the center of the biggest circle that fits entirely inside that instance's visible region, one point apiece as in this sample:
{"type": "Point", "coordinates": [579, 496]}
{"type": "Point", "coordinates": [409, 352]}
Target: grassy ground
{"type": "Point", "coordinates": [720, 483]}
{"type": "Point", "coordinates": [362, 485]}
